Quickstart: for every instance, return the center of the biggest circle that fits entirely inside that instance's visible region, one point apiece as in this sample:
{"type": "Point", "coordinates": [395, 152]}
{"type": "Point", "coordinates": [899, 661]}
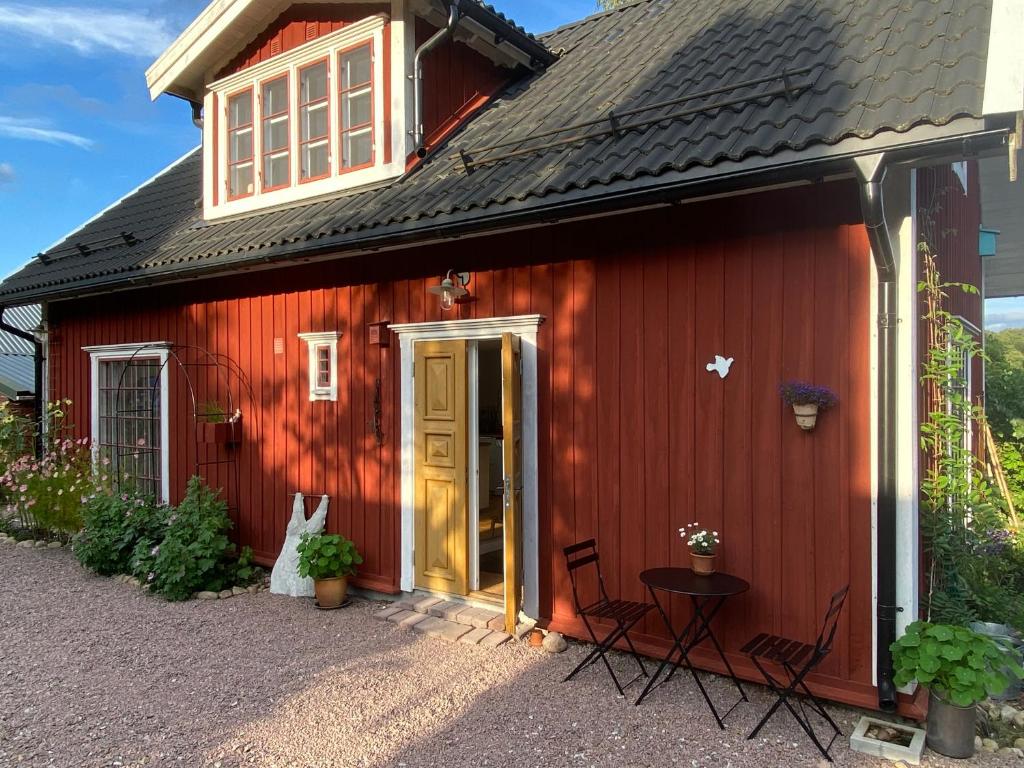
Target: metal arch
{"type": "Point", "coordinates": [226, 369]}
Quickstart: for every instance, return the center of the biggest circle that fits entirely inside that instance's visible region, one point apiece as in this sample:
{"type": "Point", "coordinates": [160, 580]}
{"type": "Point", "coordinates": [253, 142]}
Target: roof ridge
{"type": "Point", "coordinates": [592, 18]}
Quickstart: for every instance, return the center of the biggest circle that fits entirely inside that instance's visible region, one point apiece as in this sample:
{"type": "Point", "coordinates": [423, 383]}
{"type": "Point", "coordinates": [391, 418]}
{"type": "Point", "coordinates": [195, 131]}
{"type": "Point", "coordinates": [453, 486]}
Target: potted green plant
{"type": "Point", "coordinates": [329, 559]}
{"type": "Point", "coordinates": [217, 427]}
{"type": "Point", "coordinates": [959, 668]}
{"type": "Point", "coordinates": [807, 400]}
{"type": "Point", "coordinates": [703, 546]}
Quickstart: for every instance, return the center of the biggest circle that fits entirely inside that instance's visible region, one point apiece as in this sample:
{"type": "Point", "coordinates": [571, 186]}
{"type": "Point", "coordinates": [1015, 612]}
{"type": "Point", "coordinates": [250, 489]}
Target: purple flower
{"type": "Point", "coordinates": [996, 542]}
{"type": "Point", "coordinates": [802, 393]}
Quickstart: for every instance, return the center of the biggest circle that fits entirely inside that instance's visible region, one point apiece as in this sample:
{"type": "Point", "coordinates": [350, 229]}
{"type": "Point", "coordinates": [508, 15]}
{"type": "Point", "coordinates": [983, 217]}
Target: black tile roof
{"type": "Point", "coordinates": [860, 71]}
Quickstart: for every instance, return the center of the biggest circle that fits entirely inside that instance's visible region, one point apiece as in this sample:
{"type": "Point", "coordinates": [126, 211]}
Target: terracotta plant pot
{"type": "Point", "coordinates": [331, 593]}
{"type": "Point", "coordinates": [703, 564]}
{"type": "Point", "coordinates": [220, 433]}
{"type": "Point", "coordinates": [806, 416]}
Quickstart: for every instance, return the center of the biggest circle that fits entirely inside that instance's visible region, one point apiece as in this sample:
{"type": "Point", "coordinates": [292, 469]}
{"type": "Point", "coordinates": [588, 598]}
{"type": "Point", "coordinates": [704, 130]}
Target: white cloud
{"type": "Point", "coordinates": [1001, 314]}
{"type": "Point", "coordinates": [88, 30]}
{"type": "Point", "coordinates": [35, 130]}
{"type": "Point", "coordinates": [7, 175]}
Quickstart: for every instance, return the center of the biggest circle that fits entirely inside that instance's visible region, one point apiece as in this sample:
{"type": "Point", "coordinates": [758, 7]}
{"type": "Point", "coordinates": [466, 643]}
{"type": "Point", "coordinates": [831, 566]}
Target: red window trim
{"type": "Point", "coordinates": [298, 116]}
{"type": "Point", "coordinates": [286, 76]}
{"type": "Point", "coordinates": [252, 158]}
{"type": "Point", "coordinates": [368, 43]}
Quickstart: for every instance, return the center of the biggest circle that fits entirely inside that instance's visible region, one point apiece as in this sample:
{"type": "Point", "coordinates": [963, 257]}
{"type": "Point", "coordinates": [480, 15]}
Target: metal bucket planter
{"type": "Point", "coordinates": [950, 728]}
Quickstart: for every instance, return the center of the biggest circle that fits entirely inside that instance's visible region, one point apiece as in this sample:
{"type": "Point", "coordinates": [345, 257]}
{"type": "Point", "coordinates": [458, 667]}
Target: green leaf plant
{"type": "Point", "coordinates": [327, 556]}
{"type": "Point", "coordinates": [959, 666]}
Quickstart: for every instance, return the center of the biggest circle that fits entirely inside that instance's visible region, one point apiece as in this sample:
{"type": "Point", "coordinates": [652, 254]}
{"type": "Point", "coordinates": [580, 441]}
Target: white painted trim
{"type": "Point", "coordinates": [526, 327]}
{"type": "Point", "coordinates": [473, 373]}
{"type": "Point", "coordinates": [139, 351]}
{"type": "Point", "coordinates": [1004, 68]}
{"type": "Point", "coordinates": [314, 340]}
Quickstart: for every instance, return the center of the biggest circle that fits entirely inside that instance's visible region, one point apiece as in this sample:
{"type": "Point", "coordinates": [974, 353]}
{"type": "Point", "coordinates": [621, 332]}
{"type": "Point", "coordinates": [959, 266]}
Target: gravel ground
{"type": "Point", "coordinates": [96, 673]}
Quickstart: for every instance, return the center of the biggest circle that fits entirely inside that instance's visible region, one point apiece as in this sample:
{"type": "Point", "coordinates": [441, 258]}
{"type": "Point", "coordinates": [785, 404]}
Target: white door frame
{"type": "Point", "coordinates": [525, 327]}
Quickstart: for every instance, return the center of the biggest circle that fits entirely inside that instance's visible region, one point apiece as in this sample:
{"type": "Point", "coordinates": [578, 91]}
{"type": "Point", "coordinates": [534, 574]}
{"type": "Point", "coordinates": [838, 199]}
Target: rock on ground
{"type": "Point", "coordinates": [93, 675]}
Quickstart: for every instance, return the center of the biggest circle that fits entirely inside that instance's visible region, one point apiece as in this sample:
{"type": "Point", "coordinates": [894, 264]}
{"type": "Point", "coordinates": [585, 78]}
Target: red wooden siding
{"type": "Point", "coordinates": [636, 437]}
{"type": "Point", "coordinates": [297, 26]}
{"type": "Point", "coordinates": [456, 81]}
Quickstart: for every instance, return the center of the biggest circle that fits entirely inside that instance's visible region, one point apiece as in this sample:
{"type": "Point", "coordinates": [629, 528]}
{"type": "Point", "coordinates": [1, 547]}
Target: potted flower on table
{"type": "Point", "coordinates": [703, 546]}
{"type": "Point", "coordinates": [959, 668]}
{"type": "Point", "coordinates": [328, 559]}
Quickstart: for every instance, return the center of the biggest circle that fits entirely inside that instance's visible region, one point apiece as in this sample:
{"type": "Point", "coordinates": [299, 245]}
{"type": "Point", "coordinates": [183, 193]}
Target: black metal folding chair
{"type": "Point", "coordinates": [624, 613]}
{"type": "Point", "coordinates": [798, 659]}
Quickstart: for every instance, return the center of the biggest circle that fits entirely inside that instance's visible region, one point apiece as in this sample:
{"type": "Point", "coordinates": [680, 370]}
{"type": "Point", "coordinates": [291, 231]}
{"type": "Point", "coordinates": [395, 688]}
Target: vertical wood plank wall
{"type": "Point", "coordinates": [637, 438]}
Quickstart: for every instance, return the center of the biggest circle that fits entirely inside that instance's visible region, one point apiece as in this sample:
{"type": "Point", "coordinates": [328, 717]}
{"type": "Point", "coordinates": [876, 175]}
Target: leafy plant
{"type": "Point", "coordinates": [959, 666]}
{"type": "Point", "coordinates": [193, 552]}
{"type": "Point", "coordinates": [801, 393]}
{"type": "Point", "coordinates": [113, 526]}
{"type": "Point", "coordinates": [700, 540]}
{"type": "Point", "coordinates": [327, 556]}
{"type": "Point", "coordinates": [213, 412]}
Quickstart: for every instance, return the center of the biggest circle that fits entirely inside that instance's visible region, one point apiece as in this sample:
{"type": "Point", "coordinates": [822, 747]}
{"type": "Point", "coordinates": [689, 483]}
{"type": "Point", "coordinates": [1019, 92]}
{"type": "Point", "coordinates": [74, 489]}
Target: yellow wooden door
{"type": "Point", "coordinates": [512, 446]}
{"type": "Point", "coordinates": [442, 512]}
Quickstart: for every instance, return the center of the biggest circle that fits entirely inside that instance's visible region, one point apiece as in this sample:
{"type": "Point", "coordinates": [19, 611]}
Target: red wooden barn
{"type": "Point", "coordinates": [468, 282]}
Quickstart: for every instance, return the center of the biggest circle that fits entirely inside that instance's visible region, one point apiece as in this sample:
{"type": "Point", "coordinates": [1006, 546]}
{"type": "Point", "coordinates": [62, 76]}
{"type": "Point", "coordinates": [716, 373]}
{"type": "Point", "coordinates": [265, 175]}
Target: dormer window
{"type": "Point", "coordinates": [305, 122]}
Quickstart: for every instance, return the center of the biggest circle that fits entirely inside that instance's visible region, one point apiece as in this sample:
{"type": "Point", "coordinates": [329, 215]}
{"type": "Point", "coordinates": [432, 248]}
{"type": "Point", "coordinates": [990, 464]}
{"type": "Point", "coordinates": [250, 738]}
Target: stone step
{"type": "Point", "coordinates": [416, 614]}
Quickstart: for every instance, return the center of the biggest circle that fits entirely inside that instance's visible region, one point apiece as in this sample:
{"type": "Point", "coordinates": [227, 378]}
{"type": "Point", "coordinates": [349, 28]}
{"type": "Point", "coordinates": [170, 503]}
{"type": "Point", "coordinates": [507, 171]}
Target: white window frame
{"type": "Point", "coordinates": [315, 341]}
{"type": "Point", "coordinates": [369, 30]}
{"type": "Point", "coordinates": [157, 350]}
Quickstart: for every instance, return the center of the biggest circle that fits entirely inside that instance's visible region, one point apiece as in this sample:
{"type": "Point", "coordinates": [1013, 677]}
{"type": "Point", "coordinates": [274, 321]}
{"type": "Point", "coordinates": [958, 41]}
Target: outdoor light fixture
{"type": "Point", "coordinates": [452, 289]}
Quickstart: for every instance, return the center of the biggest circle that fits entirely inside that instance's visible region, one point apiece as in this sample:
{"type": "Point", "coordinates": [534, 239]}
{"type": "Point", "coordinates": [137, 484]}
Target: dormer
{"type": "Point", "coordinates": [301, 101]}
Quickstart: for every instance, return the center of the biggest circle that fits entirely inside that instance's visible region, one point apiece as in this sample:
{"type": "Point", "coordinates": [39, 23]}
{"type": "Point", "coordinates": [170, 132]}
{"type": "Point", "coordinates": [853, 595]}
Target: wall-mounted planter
{"type": "Point", "coordinates": [806, 415]}
{"type": "Point", "coordinates": [220, 433]}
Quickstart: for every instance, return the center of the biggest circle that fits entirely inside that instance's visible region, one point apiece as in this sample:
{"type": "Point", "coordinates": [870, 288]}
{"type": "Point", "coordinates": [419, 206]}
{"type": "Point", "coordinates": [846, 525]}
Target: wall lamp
{"type": "Point", "coordinates": [452, 289]}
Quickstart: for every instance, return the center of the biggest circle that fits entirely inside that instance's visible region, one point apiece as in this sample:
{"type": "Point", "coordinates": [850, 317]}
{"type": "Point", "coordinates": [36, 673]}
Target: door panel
{"type": "Point", "coordinates": [441, 514]}
{"type": "Point", "coordinates": [512, 427]}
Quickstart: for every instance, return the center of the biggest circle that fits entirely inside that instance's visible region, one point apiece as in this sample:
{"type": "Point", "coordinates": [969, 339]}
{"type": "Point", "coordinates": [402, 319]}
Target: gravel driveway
{"type": "Point", "coordinates": [96, 673]}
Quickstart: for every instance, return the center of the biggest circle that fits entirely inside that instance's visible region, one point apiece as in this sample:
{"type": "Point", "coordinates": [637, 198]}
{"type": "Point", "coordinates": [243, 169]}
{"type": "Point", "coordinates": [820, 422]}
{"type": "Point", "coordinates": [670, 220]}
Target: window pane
{"type": "Point", "coordinates": [356, 109]}
{"type": "Point", "coordinates": [314, 122]}
{"type": "Point", "coordinates": [313, 83]}
{"type": "Point", "coordinates": [240, 145]}
{"type": "Point", "coordinates": [240, 180]}
{"type": "Point", "coordinates": [240, 110]}
{"type": "Point", "coordinates": [314, 160]}
{"type": "Point", "coordinates": [355, 67]}
{"type": "Point", "coordinates": [358, 148]}
{"type": "Point", "coordinates": [275, 97]}
{"type": "Point", "coordinates": [275, 170]}
{"type": "Point", "coordinates": [275, 134]}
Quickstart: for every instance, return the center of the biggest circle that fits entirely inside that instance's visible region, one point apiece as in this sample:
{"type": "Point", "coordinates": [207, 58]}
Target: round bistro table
{"type": "Point", "coordinates": [707, 596]}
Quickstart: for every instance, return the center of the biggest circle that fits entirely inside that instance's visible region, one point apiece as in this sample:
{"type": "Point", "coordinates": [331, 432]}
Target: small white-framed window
{"type": "Point", "coordinates": [129, 426]}
{"type": "Point", "coordinates": [323, 364]}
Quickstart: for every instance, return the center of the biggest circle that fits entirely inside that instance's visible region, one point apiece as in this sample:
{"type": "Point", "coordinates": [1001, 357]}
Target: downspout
{"type": "Point", "coordinates": [454, 14]}
{"type": "Point", "coordinates": [37, 395]}
{"type": "Point", "coordinates": [871, 173]}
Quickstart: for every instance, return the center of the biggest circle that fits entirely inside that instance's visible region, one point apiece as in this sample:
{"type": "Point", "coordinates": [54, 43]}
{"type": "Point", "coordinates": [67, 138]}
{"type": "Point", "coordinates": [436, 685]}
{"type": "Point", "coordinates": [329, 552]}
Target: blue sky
{"type": "Point", "coordinates": [77, 127]}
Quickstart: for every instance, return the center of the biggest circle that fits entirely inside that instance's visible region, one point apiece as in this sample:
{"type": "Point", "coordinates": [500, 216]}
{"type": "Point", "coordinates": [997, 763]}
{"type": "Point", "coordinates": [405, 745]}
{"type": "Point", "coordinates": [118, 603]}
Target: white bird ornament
{"type": "Point", "coordinates": [720, 366]}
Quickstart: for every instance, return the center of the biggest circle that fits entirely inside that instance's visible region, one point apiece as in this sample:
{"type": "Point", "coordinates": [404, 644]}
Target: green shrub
{"type": "Point", "coordinates": [113, 525]}
{"type": "Point", "coordinates": [194, 552]}
{"type": "Point", "coordinates": [959, 666]}
{"type": "Point", "coordinates": [327, 556]}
